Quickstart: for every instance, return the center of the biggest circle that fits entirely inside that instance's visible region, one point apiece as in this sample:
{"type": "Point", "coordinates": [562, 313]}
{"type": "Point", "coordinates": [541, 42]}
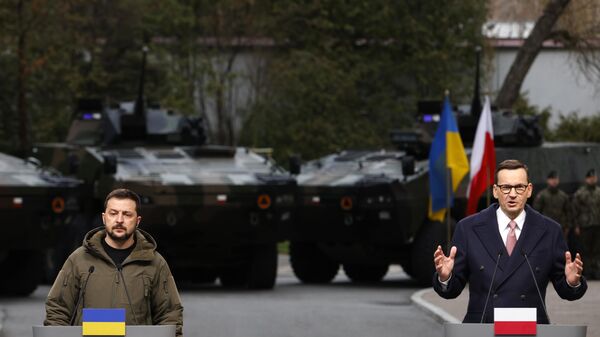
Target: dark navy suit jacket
{"type": "Point", "coordinates": [478, 244]}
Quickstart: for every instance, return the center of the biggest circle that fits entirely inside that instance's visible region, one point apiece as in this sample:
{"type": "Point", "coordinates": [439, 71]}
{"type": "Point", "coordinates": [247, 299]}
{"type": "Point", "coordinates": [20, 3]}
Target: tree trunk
{"type": "Point", "coordinates": [511, 87]}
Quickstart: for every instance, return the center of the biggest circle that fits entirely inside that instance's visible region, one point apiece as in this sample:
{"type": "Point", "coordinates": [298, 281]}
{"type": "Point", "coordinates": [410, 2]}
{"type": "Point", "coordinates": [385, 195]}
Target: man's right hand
{"type": "Point", "coordinates": [444, 264]}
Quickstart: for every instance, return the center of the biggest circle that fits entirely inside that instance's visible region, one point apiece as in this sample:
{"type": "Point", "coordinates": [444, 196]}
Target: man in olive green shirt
{"type": "Point", "coordinates": [116, 267]}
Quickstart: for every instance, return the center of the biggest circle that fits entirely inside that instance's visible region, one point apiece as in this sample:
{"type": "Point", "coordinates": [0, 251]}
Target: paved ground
{"type": "Point", "coordinates": [581, 312]}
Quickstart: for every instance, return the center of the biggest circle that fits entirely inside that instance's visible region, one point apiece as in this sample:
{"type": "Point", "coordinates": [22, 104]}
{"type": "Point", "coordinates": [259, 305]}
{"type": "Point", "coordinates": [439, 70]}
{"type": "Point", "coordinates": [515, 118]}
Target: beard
{"type": "Point", "coordinates": [118, 238]}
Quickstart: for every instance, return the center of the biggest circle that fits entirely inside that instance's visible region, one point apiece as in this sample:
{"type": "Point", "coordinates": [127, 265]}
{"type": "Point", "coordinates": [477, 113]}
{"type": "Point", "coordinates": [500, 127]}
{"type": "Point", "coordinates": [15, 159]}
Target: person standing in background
{"type": "Point", "coordinates": [586, 208]}
{"type": "Point", "coordinates": [554, 202]}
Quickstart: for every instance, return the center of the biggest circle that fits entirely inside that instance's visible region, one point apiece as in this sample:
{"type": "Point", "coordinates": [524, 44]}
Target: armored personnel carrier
{"type": "Point", "coordinates": [36, 208]}
{"type": "Point", "coordinates": [216, 211]}
{"type": "Point", "coordinates": [362, 210]}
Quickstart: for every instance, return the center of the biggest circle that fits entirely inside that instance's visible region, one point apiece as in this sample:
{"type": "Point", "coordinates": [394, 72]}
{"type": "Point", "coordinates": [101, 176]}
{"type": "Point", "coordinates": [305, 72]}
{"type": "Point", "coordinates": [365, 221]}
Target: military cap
{"type": "Point", "coordinates": [590, 173]}
{"type": "Point", "coordinates": [552, 174]}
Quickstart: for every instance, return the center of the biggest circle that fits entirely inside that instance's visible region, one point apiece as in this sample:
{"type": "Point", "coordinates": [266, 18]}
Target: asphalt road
{"type": "Point", "coordinates": [291, 309]}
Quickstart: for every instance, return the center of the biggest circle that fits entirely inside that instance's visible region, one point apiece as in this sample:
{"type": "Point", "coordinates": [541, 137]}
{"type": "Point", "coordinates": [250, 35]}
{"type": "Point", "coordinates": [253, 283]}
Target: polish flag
{"type": "Point", "coordinates": [483, 159]}
{"type": "Point", "coordinates": [515, 321]}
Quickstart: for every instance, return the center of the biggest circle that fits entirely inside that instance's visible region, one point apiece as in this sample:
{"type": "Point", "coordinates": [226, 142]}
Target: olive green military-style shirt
{"type": "Point", "coordinates": [149, 295]}
{"type": "Point", "coordinates": [586, 206]}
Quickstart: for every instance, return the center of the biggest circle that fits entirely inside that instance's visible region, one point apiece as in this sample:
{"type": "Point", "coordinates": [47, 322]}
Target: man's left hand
{"type": "Point", "coordinates": [573, 269]}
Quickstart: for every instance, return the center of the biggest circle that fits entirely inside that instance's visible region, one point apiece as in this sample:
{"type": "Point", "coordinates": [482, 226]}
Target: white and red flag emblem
{"type": "Point", "coordinates": [515, 321]}
{"type": "Point", "coordinates": [483, 159]}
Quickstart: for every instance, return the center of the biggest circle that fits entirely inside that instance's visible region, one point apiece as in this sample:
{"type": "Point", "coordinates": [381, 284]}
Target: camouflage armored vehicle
{"type": "Point", "coordinates": [36, 207]}
{"type": "Point", "coordinates": [363, 210]}
{"type": "Point", "coordinates": [216, 211]}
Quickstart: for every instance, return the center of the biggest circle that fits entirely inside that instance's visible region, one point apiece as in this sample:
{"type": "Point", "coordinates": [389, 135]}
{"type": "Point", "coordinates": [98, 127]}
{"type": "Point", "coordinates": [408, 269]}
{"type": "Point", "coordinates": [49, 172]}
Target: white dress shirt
{"type": "Point", "coordinates": [504, 220]}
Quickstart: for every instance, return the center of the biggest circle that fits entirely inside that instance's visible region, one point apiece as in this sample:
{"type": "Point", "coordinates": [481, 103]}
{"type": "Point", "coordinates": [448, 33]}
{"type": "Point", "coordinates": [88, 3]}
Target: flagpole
{"type": "Point", "coordinates": [487, 190]}
{"type": "Point", "coordinates": [448, 191]}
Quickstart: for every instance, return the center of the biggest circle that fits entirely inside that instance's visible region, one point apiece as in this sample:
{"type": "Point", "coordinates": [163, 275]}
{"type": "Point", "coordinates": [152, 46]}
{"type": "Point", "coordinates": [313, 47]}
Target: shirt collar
{"type": "Point", "coordinates": [503, 219]}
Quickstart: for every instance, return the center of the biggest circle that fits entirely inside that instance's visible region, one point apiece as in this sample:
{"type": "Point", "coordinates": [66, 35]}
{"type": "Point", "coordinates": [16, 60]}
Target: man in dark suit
{"type": "Point", "coordinates": [506, 238]}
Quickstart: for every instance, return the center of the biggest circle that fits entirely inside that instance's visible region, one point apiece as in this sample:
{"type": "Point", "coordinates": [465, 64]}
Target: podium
{"type": "Point", "coordinates": [130, 331]}
{"type": "Point", "coordinates": [487, 330]}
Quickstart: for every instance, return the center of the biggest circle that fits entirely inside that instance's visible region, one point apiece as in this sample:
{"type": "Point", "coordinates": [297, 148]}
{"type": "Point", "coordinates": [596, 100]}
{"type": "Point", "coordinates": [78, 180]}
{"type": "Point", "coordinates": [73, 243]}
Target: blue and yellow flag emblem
{"type": "Point", "coordinates": [103, 322]}
{"type": "Point", "coordinates": [448, 164]}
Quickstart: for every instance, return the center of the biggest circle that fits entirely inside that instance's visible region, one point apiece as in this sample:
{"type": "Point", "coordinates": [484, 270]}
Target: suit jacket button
{"type": "Point", "coordinates": [495, 295]}
{"type": "Point", "coordinates": [523, 297]}
{"type": "Point", "coordinates": [481, 267]}
{"type": "Point", "coordinates": [537, 269]}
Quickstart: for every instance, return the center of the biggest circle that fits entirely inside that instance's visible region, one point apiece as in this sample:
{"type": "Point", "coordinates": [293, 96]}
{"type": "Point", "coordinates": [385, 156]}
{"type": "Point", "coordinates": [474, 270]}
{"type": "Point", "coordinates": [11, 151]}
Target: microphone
{"type": "Point", "coordinates": [81, 294]}
{"type": "Point", "coordinates": [120, 270]}
{"type": "Point", "coordinates": [487, 298]}
{"type": "Point", "coordinates": [536, 285]}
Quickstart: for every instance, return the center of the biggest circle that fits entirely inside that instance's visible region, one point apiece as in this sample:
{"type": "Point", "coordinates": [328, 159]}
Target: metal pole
{"type": "Point", "coordinates": [487, 190]}
{"type": "Point", "coordinates": [448, 194]}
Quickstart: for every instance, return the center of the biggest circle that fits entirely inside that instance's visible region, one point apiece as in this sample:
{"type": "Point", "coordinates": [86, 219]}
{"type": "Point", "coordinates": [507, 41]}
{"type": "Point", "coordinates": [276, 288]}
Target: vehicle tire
{"type": "Point", "coordinates": [262, 271]}
{"type": "Point", "coordinates": [234, 277]}
{"type": "Point", "coordinates": [22, 272]}
{"type": "Point", "coordinates": [365, 273]}
{"type": "Point", "coordinates": [70, 239]}
{"type": "Point", "coordinates": [431, 234]}
{"type": "Point", "coordinates": [407, 267]}
{"type": "Point", "coordinates": [194, 275]}
{"type": "Point", "coordinates": [310, 264]}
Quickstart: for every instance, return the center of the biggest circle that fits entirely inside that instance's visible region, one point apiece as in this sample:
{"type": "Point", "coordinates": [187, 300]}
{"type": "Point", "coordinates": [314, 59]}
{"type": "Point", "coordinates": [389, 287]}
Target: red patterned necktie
{"type": "Point", "coordinates": [511, 240]}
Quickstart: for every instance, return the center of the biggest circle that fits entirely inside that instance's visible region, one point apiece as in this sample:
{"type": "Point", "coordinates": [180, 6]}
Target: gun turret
{"type": "Point", "coordinates": [133, 126]}
{"type": "Point", "coordinates": [133, 122]}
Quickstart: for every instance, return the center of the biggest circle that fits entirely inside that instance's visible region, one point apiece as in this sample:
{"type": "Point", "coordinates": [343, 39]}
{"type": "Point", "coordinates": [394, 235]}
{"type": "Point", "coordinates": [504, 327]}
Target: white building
{"type": "Point", "coordinates": [554, 80]}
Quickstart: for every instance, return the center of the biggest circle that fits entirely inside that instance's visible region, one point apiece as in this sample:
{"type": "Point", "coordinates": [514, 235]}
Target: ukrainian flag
{"type": "Point", "coordinates": [103, 322]}
{"type": "Point", "coordinates": [447, 153]}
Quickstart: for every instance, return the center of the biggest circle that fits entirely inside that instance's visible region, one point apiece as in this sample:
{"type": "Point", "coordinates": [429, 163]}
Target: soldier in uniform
{"type": "Point", "coordinates": [553, 202]}
{"type": "Point", "coordinates": [586, 205]}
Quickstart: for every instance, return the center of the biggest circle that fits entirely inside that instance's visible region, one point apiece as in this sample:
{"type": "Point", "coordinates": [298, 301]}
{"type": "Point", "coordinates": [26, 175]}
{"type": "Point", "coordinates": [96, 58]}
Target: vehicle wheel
{"type": "Point", "coordinates": [194, 275]}
{"type": "Point", "coordinates": [365, 273]}
{"type": "Point", "coordinates": [407, 267]}
{"type": "Point", "coordinates": [71, 239]}
{"type": "Point", "coordinates": [432, 234]}
{"type": "Point", "coordinates": [263, 267]}
{"type": "Point", "coordinates": [310, 264]}
{"type": "Point", "coordinates": [23, 271]}
{"type": "Point", "coordinates": [234, 277]}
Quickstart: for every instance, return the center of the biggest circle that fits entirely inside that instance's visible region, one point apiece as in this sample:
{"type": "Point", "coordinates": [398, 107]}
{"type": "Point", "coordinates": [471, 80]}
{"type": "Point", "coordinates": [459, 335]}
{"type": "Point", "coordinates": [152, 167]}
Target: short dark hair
{"type": "Point", "coordinates": [123, 193]}
{"type": "Point", "coordinates": [511, 164]}
{"type": "Point", "coordinates": [590, 173]}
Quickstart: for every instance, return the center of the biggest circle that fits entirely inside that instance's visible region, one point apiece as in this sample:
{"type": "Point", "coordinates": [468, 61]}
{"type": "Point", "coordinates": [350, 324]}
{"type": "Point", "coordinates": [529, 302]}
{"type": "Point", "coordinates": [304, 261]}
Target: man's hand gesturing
{"type": "Point", "coordinates": [444, 264]}
{"type": "Point", "coordinates": [573, 269]}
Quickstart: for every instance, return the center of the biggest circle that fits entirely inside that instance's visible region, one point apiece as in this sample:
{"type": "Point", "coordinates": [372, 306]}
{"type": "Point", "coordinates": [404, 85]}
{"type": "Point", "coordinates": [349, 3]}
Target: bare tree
{"type": "Point", "coordinates": [579, 29]}
{"type": "Point", "coordinates": [542, 30]}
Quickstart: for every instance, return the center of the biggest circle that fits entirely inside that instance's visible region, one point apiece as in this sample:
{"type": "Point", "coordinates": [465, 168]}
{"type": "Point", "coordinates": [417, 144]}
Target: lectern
{"type": "Point", "coordinates": [130, 331]}
{"type": "Point", "coordinates": [487, 330]}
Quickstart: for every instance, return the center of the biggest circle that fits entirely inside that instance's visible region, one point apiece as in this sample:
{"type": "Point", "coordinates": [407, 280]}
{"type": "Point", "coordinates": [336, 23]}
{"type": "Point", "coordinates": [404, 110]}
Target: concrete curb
{"type": "Point", "coordinates": [438, 313]}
